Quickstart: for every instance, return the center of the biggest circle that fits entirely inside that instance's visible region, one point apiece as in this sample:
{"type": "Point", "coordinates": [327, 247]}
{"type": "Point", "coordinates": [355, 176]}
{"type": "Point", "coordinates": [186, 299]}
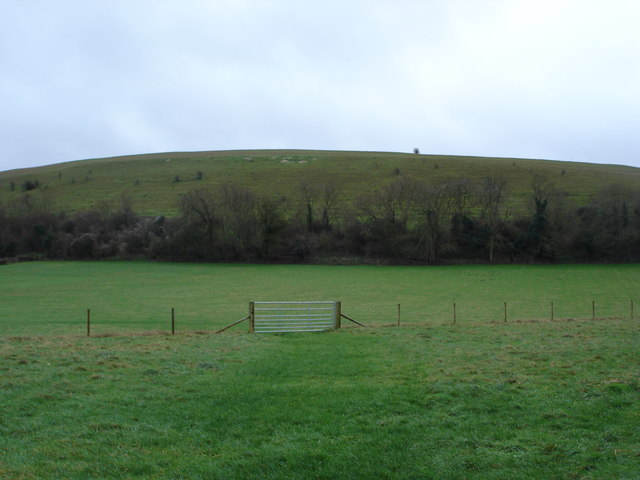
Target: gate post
{"type": "Point", "coordinates": [252, 317]}
{"type": "Point", "coordinates": [338, 314]}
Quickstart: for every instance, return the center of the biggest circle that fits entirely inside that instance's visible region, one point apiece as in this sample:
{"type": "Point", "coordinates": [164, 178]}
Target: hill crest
{"type": "Point", "coordinates": [155, 181]}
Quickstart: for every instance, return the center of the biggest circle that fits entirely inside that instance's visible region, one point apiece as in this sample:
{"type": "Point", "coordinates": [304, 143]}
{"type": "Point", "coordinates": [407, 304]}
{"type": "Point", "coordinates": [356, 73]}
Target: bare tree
{"type": "Point", "coordinates": [490, 198]}
{"type": "Point", "coordinates": [614, 202]}
{"type": "Point", "coordinates": [537, 240]}
{"type": "Point", "coordinates": [397, 200]}
{"type": "Point", "coordinates": [320, 200]}
{"type": "Point", "coordinates": [461, 193]}
{"type": "Point", "coordinates": [387, 215]}
{"type": "Point", "coordinates": [328, 202]}
{"type": "Point", "coordinates": [435, 206]}
{"type": "Point", "coordinates": [239, 219]}
{"type": "Point", "coordinates": [271, 222]}
{"type": "Point", "coordinates": [309, 196]}
{"type": "Point", "coordinates": [563, 222]}
{"type": "Point", "coordinates": [124, 215]}
{"type": "Point", "coordinates": [541, 188]}
{"type": "Point", "coordinates": [200, 205]}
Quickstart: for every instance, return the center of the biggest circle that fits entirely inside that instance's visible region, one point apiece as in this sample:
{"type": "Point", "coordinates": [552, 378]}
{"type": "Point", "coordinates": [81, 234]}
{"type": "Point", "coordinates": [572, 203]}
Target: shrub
{"type": "Point", "coordinates": [83, 246]}
{"type": "Point", "coordinates": [29, 185]}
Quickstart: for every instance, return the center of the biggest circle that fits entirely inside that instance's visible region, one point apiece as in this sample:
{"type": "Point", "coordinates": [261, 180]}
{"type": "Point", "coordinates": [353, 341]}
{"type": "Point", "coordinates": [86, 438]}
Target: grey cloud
{"type": "Point", "coordinates": [545, 79]}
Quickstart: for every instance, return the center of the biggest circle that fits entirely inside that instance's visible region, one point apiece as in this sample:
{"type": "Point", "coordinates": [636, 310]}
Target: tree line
{"type": "Point", "coordinates": [406, 221]}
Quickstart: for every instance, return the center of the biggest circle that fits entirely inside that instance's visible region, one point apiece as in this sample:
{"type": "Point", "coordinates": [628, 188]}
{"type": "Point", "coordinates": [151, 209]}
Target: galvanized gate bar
{"type": "Point", "coordinates": [279, 317]}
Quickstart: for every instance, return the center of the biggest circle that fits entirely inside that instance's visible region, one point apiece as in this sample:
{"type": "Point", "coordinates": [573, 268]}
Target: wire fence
{"type": "Point", "coordinates": [175, 320]}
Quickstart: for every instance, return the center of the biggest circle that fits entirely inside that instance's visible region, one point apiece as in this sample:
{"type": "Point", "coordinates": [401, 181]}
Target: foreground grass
{"type": "Point", "coordinates": [535, 400]}
{"type": "Point", "coordinates": [44, 298]}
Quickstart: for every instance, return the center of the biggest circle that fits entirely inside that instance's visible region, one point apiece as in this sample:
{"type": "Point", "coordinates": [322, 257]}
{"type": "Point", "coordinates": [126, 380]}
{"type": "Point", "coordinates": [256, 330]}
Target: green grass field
{"type": "Point", "coordinates": [53, 297]}
{"type": "Point", "coordinates": [481, 399]}
{"type": "Point", "coordinates": [150, 180]}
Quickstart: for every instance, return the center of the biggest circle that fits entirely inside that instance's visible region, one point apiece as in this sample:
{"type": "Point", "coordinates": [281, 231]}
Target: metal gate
{"type": "Point", "coordinates": [294, 316]}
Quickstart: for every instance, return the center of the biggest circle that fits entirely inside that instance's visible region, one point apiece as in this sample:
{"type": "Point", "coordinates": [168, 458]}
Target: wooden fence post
{"type": "Point", "coordinates": [338, 314]}
{"type": "Point", "coordinates": [505, 312]}
{"type": "Point", "coordinates": [88, 322]}
{"type": "Point", "coordinates": [173, 321]}
{"type": "Point", "coordinates": [252, 317]}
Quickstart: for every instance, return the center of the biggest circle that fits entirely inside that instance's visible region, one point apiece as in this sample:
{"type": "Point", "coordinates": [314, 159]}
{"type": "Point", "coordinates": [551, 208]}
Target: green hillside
{"type": "Point", "coordinates": [155, 181]}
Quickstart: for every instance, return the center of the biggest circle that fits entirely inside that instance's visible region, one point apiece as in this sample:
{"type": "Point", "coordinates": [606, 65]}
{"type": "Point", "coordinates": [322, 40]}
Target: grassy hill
{"type": "Point", "coordinates": [156, 181]}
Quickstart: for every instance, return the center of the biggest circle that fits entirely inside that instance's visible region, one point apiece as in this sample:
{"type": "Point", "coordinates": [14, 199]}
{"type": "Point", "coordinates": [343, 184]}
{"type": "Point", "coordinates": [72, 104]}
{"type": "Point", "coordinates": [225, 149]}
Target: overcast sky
{"type": "Point", "coordinates": [553, 79]}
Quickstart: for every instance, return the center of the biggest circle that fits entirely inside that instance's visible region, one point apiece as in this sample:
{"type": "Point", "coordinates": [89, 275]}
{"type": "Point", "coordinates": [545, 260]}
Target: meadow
{"type": "Point", "coordinates": [53, 297]}
{"type": "Point", "coordinates": [479, 399]}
